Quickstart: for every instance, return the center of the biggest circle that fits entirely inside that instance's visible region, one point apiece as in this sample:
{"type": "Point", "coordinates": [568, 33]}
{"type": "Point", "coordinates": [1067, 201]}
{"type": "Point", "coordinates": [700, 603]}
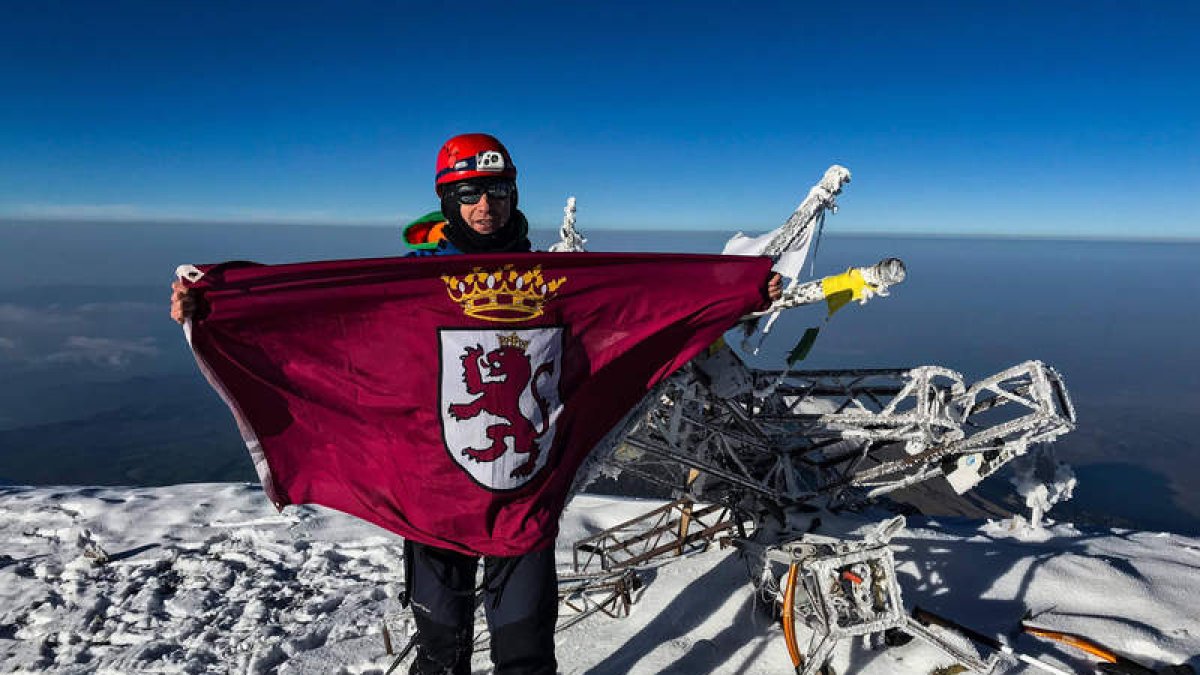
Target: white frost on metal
{"type": "Point", "coordinates": [878, 277]}
{"type": "Point", "coordinates": [1042, 481]}
{"type": "Point", "coordinates": [847, 589]}
{"type": "Point", "coordinates": [832, 437]}
{"type": "Point", "coordinates": [790, 242]}
{"type": "Point", "coordinates": [778, 447]}
{"type": "Point", "coordinates": [570, 241]}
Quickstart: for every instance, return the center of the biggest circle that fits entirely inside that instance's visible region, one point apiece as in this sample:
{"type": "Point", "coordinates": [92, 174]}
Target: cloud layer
{"type": "Point", "coordinates": [97, 334]}
{"type": "Point", "coordinates": [102, 352]}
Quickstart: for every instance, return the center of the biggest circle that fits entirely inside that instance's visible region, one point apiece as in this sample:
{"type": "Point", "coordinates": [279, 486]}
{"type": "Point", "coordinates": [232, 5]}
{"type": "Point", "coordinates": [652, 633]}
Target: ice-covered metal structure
{"type": "Point", "coordinates": [751, 455]}
{"type": "Point", "coordinates": [767, 441]}
{"type": "Point", "coordinates": [764, 442]}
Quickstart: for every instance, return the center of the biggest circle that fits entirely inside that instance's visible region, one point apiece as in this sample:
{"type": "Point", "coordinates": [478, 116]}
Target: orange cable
{"type": "Point", "coordinates": [788, 618]}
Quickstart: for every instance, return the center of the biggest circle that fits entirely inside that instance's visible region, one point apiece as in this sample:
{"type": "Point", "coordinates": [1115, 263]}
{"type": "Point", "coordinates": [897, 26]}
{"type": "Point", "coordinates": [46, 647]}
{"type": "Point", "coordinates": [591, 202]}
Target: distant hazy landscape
{"type": "Point", "coordinates": [100, 388]}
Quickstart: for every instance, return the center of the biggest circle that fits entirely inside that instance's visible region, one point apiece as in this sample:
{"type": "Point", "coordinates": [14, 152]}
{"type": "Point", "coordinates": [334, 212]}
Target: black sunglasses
{"type": "Point", "coordinates": [471, 193]}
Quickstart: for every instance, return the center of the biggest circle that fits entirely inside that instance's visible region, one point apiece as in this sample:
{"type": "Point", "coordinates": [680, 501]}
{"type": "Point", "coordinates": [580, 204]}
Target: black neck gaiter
{"type": "Point", "coordinates": [512, 238]}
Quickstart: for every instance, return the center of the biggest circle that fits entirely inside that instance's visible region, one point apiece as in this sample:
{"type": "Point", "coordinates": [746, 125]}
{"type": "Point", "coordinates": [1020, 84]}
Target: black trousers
{"type": "Point", "coordinates": [520, 601]}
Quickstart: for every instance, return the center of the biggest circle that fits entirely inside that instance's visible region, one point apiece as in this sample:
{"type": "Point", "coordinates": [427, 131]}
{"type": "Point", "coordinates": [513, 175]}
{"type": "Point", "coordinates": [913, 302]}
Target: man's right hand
{"type": "Point", "coordinates": [183, 302]}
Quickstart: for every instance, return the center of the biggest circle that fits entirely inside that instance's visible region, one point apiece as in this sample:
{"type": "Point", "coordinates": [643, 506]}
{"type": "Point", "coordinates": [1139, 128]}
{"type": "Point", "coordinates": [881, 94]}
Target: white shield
{"type": "Point", "coordinates": [499, 401]}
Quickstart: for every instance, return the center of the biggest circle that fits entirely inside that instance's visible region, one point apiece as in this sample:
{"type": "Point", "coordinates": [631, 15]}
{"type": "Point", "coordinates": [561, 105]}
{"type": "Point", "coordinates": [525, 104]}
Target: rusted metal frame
{"type": "Point", "coordinates": [688, 507]}
{"type": "Point", "coordinates": [608, 545]}
{"type": "Point", "coordinates": [707, 533]}
{"type": "Point", "coordinates": [603, 543]}
{"type": "Point", "coordinates": [667, 525]}
{"type": "Point", "coordinates": [660, 528]}
{"type": "Point", "coordinates": [595, 544]}
{"type": "Point", "coordinates": [616, 604]}
{"type": "Point", "coordinates": [614, 543]}
{"type": "Point", "coordinates": [615, 590]}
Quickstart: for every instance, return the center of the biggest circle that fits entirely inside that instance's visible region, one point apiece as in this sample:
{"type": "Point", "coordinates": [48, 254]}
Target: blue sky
{"type": "Point", "coordinates": [1017, 118]}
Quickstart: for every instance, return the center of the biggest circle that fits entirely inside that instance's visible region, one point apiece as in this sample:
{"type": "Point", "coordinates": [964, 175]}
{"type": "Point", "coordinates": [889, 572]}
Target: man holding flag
{"type": "Point", "coordinates": [450, 400]}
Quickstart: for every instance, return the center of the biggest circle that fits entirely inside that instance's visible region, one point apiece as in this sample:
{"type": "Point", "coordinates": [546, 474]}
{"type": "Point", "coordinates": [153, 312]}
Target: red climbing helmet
{"type": "Point", "coordinates": [473, 156]}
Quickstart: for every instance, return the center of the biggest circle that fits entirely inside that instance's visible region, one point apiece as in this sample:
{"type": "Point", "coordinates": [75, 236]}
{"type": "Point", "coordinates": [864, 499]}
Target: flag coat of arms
{"type": "Point", "coordinates": [499, 401]}
{"type": "Point", "coordinates": [451, 399]}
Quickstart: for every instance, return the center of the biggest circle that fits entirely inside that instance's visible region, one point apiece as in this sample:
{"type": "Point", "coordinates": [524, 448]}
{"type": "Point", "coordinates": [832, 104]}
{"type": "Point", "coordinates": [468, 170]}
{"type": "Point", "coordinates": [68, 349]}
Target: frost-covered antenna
{"type": "Point", "coordinates": [796, 234]}
{"type": "Point", "coordinates": [790, 242]}
{"type": "Point", "coordinates": [570, 241]}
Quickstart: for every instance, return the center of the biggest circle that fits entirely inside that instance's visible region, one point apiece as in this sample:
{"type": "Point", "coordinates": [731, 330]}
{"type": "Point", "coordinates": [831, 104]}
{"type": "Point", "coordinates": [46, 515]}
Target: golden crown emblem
{"type": "Point", "coordinates": [502, 294]}
{"type": "Point", "coordinates": [512, 340]}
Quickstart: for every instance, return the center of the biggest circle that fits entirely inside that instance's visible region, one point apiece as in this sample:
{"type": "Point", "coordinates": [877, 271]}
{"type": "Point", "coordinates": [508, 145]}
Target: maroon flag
{"type": "Point", "coordinates": [451, 399]}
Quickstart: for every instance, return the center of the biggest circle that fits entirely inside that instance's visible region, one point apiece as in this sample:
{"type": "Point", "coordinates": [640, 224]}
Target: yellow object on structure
{"type": "Point", "coordinates": [840, 289]}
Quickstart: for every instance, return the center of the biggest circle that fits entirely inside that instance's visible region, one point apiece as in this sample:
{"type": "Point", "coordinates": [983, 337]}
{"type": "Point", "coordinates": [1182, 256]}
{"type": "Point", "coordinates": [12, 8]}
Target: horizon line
{"type": "Point", "coordinates": [9, 220]}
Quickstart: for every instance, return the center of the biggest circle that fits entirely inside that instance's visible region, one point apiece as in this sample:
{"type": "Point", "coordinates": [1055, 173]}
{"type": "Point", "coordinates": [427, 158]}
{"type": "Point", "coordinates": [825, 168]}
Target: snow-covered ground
{"type": "Point", "coordinates": [209, 578]}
